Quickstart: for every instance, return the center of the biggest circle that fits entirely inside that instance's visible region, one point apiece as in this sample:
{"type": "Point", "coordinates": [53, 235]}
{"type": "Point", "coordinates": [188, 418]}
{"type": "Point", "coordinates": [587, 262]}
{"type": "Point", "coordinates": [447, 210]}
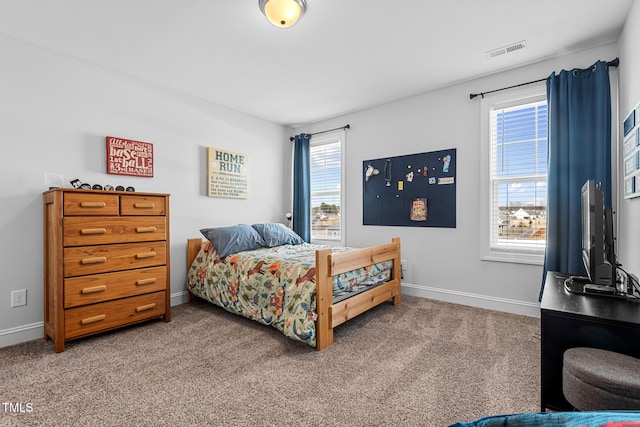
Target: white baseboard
{"type": "Point", "coordinates": [524, 308]}
{"type": "Point", "coordinates": [22, 333]}
{"type": "Point", "coordinates": [178, 298]}
{"type": "Point", "coordinates": [35, 331]}
{"type": "Point", "coordinates": [492, 303]}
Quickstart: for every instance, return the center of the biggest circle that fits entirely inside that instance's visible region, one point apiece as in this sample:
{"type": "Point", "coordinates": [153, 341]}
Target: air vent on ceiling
{"type": "Point", "coordinates": [506, 49]}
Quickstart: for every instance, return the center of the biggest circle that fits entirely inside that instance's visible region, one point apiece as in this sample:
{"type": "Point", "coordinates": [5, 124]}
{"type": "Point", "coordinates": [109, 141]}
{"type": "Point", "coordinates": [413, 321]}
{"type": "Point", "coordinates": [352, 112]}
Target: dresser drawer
{"type": "Point", "coordinates": [79, 231]}
{"type": "Point", "coordinates": [91, 204]}
{"type": "Point", "coordinates": [107, 286]}
{"type": "Point", "coordinates": [142, 205]}
{"type": "Point", "coordinates": [80, 261]}
{"type": "Point", "coordinates": [93, 318]}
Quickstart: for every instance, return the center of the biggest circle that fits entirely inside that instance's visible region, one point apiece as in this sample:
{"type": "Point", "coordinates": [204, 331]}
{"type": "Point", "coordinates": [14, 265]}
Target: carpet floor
{"type": "Point", "coordinates": [422, 363]}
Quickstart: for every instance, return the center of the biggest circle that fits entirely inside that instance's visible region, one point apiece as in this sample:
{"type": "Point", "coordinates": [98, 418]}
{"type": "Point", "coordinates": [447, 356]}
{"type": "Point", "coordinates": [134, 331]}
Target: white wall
{"type": "Point", "coordinates": [629, 210]}
{"type": "Point", "coordinates": [445, 263]}
{"type": "Point", "coordinates": [55, 113]}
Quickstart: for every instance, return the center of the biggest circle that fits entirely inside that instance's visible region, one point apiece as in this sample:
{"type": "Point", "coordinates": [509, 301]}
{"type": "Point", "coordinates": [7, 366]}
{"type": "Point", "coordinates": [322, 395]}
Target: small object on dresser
{"type": "Point", "coordinates": [75, 183]}
{"type": "Point", "coordinates": [53, 180]}
{"type": "Point", "coordinates": [85, 186]}
{"type": "Point", "coordinates": [119, 188]}
{"type": "Point", "coordinates": [109, 187]}
{"type": "Point", "coordinates": [130, 189]}
{"type": "Point", "coordinates": [96, 187]}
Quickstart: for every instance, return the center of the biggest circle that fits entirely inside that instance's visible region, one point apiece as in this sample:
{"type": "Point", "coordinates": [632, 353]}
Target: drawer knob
{"type": "Point", "coordinates": [146, 229]}
{"type": "Point", "coordinates": [146, 307]}
{"type": "Point", "coordinates": [96, 260]}
{"type": "Point", "coordinates": [92, 204]}
{"type": "Point", "coordinates": [148, 281]}
{"type": "Point", "coordinates": [87, 231]}
{"type": "Point", "coordinates": [93, 319]}
{"type": "Point", "coordinates": [145, 255]}
{"type": "Point", "coordinates": [93, 289]}
{"type": "Point", "coordinates": [144, 205]}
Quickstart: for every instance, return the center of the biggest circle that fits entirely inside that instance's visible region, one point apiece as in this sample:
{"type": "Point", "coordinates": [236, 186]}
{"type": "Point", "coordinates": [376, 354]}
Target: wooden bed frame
{"type": "Point", "coordinates": [329, 314]}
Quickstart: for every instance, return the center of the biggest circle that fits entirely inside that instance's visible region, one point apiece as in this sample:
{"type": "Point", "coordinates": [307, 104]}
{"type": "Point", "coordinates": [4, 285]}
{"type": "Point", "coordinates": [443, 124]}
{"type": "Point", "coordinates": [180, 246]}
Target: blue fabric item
{"type": "Point", "coordinates": [302, 187]}
{"type": "Point", "coordinates": [233, 239]}
{"type": "Point", "coordinates": [276, 234]}
{"type": "Point", "coordinates": [579, 149]}
{"type": "Point", "coordinates": [553, 419]}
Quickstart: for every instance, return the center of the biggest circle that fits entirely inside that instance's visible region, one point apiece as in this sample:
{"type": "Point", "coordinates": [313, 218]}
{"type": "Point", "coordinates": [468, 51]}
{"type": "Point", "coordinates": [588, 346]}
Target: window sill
{"type": "Point", "coordinates": [514, 257]}
{"type": "Point", "coordinates": [327, 242]}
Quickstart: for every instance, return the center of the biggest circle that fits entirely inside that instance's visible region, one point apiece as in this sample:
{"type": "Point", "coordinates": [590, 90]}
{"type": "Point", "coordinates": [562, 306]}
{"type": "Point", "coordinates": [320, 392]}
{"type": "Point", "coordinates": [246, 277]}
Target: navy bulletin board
{"type": "Point", "coordinates": [415, 190]}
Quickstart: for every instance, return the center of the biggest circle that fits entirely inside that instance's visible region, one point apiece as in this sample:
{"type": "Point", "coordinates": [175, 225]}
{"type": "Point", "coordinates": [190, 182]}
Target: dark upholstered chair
{"type": "Point", "coordinates": [595, 379]}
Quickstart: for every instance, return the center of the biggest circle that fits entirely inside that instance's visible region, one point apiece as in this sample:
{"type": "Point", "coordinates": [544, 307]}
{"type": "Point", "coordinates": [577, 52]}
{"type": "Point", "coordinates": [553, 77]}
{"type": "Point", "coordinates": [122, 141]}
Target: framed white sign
{"type": "Point", "coordinates": [227, 174]}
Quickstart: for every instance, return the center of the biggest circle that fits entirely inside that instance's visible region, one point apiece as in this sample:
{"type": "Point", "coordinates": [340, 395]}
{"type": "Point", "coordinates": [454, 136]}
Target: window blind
{"type": "Point", "coordinates": [518, 187]}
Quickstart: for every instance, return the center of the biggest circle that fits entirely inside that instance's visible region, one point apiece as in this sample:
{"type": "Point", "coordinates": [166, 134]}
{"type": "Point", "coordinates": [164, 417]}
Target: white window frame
{"type": "Point", "coordinates": [325, 139]}
{"type": "Point", "coordinates": [489, 250]}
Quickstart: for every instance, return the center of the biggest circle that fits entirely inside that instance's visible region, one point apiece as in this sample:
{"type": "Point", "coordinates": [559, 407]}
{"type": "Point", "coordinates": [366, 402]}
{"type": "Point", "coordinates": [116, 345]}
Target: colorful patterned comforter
{"type": "Point", "coordinates": [274, 286]}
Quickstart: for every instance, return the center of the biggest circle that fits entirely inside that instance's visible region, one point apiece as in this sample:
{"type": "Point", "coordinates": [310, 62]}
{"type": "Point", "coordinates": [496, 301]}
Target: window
{"type": "Point", "coordinates": [514, 192]}
{"type": "Point", "coordinates": [327, 222]}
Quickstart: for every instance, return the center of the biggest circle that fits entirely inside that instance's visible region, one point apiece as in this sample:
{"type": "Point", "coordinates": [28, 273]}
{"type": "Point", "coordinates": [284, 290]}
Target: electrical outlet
{"type": "Point", "coordinates": [403, 266]}
{"type": "Point", "coordinates": [18, 297]}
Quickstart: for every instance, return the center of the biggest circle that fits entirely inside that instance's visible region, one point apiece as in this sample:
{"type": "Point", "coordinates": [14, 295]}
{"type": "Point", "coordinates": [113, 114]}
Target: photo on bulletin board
{"type": "Point", "coordinates": [414, 190]}
{"type": "Point", "coordinates": [418, 210]}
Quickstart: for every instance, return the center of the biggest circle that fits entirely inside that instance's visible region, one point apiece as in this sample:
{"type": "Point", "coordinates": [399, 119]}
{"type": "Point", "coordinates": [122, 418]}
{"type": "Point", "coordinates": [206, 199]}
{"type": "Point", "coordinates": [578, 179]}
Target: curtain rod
{"type": "Point", "coordinates": [612, 63]}
{"type": "Point", "coordinates": [347, 126]}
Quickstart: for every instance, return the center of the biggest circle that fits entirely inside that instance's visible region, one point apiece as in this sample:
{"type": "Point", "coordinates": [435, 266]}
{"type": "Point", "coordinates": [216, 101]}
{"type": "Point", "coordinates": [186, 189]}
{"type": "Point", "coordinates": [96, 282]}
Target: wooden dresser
{"type": "Point", "coordinates": [106, 261]}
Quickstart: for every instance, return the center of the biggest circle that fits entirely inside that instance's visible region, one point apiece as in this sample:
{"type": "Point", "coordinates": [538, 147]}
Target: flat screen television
{"type": "Point", "coordinates": [598, 243]}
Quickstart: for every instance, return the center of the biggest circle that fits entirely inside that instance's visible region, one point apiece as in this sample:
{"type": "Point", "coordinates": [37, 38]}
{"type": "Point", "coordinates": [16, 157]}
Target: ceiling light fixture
{"type": "Point", "coordinates": [283, 13]}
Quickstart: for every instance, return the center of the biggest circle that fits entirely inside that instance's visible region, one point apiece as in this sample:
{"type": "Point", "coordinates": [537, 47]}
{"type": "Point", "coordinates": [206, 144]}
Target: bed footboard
{"type": "Point", "coordinates": [327, 265]}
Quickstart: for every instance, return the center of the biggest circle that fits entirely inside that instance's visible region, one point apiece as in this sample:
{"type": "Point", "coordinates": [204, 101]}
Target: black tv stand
{"type": "Point", "coordinates": [572, 320]}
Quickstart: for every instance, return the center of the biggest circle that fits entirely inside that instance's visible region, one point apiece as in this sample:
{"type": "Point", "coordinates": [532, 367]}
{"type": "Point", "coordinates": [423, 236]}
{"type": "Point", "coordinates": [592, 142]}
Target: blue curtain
{"type": "Point", "coordinates": [302, 187]}
{"type": "Point", "coordinates": [579, 149]}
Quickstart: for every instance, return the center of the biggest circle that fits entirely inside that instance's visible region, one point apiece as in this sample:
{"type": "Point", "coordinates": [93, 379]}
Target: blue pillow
{"type": "Point", "coordinates": [233, 239]}
{"type": "Point", "coordinates": [276, 234]}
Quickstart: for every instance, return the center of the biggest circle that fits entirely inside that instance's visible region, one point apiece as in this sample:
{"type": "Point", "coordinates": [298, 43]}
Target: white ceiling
{"type": "Point", "coordinates": [342, 56]}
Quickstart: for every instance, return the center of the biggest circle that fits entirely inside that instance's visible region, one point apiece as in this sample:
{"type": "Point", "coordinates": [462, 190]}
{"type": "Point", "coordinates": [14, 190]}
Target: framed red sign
{"type": "Point", "coordinates": [127, 157]}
